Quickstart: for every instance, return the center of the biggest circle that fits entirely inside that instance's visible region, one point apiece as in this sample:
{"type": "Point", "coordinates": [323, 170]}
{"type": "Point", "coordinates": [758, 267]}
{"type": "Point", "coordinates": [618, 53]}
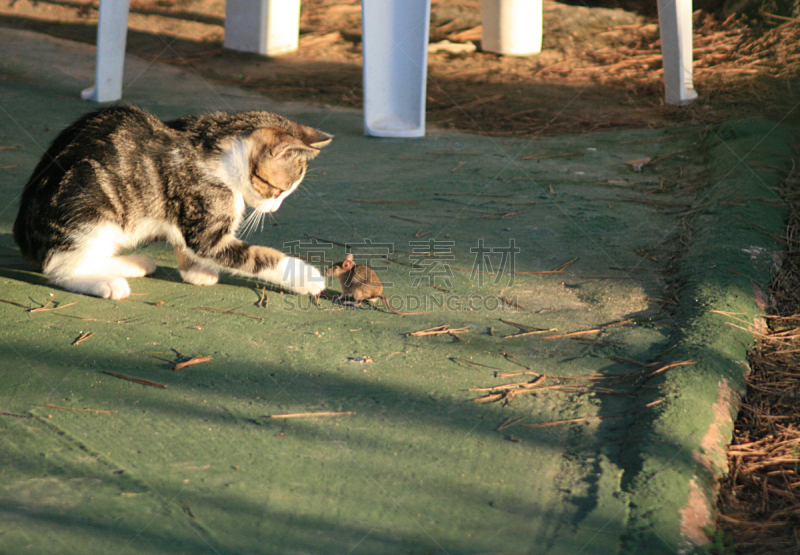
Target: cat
{"type": "Point", "coordinates": [120, 177]}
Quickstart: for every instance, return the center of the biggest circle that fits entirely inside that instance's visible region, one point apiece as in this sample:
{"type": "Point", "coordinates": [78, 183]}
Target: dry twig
{"type": "Point", "coordinates": [309, 415]}
{"type": "Point", "coordinates": [83, 338]}
{"type": "Point", "coordinates": [444, 329]}
{"type": "Point", "coordinates": [135, 380]}
{"type": "Point", "coordinates": [207, 309]}
{"type": "Point", "coordinates": [191, 362]}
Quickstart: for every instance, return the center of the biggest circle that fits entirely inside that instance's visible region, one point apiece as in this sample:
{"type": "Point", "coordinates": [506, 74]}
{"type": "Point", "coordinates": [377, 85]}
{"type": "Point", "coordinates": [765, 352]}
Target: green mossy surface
{"type": "Point", "coordinates": [419, 467]}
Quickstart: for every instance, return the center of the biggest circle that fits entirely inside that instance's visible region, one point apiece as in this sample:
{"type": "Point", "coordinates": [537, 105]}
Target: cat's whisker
{"type": "Point", "coordinates": [272, 219]}
{"type": "Point", "coordinates": [305, 190]}
{"type": "Point", "coordinates": [257, 221]}
{"type": "Point", "coordinates": [250, 223]}
{"type": "Point", "coordinates": [260, 222]}
{"type": "Point", "coordinates": [243, 226]}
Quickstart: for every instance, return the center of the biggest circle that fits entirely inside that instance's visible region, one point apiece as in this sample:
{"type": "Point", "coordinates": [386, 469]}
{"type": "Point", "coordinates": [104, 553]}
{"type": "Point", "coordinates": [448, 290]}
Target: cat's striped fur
{"type": "Point", "coordinates": [120, 177]}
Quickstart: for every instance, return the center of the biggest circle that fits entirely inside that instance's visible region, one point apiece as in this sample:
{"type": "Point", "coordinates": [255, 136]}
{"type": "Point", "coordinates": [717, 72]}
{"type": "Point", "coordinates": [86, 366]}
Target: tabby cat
{"type": "Point", "coordinates": [120, 177]}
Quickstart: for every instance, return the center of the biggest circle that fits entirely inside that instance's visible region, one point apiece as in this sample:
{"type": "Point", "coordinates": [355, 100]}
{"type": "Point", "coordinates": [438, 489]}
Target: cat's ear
{"type": "Point", "coordinates": [277, 159]}
{"type": "Point", "coordinates": [278, 143]}
{"type": "Point", "coordinates": [313, 137]}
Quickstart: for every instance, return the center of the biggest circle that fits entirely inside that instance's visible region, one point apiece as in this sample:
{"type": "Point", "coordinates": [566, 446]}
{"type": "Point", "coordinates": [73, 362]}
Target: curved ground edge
{"type": "Point", "coordinates": [731, 253]}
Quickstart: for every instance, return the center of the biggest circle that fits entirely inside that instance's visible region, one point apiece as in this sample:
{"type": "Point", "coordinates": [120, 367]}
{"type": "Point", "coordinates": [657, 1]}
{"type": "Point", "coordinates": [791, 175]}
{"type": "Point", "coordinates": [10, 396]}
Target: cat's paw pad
{"type": "Point", "coordinates": [115, 289]}
{"type": "Point", "coordinates": [199, 276]}
{"type": "Point", "coordinates": [300, 278]}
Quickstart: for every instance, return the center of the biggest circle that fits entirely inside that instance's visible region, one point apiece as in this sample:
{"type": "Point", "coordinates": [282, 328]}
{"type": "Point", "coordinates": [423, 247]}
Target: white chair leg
{"type": "Point", "coordinates": [266, 27]}
{"type": "Point", "coordinates": [675, 22]}
{"type": "Point", "coordinates": [512, 26]}
{"type": "Point", "coordinates": [112, 32]}
{"type": "Point", "coordinates": [395, 45]}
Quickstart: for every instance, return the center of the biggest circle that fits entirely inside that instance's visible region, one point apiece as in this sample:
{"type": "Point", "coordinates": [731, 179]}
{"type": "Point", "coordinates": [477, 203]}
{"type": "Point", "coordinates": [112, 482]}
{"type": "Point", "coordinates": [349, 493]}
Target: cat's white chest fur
{"type": "Point", "coordinates": [238, 207]}
{"type": "Point", "coordinates": [234, 171]}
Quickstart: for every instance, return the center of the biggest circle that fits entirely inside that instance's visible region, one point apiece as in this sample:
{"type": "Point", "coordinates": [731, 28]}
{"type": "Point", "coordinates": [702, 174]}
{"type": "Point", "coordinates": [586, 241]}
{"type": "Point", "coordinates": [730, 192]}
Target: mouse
{"type": "Point", "coordinates": [361, 283]}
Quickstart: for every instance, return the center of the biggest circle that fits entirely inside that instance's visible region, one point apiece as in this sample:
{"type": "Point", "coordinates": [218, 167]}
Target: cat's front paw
{"type": "Point", "coordinates": [300, 277]}
{"type": "Point", "coordinates": [113, 288]}
{"type": "Point", "coordinates": [197, 275]}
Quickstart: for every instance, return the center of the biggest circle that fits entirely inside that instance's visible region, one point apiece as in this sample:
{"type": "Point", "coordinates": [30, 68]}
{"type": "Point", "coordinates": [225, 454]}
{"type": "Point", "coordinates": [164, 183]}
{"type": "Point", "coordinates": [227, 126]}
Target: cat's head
{"type": "Point", "coordinates": [277, 160]}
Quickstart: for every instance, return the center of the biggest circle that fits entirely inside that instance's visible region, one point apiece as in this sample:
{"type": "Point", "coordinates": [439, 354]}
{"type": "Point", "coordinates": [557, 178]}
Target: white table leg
{"type": "Point", "coordinates": [266, 27]}
{"type": "Point", "coordinates": [675, 22]}
{"type": "Point", "coordinates": [112, 32]}
{"type": "Point", "coordinates": [395, 45]}
{"type": "Point", "coordinates": [512, 26]}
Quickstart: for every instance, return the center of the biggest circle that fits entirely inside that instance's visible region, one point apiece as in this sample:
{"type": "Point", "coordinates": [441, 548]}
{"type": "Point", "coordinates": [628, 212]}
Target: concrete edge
{"type": "Point", "coordinates": [732, 253]}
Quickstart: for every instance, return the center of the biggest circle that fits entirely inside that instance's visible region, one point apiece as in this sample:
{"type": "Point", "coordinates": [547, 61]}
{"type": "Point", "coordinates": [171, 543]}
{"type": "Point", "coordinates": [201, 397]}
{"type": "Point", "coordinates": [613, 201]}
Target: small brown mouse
{"type": "Point", "coordinates": [360, 283]}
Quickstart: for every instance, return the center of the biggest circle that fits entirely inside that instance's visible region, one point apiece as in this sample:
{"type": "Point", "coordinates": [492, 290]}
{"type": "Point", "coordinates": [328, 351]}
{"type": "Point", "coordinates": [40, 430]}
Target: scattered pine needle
{"type": "Point", "coordinates": [516, 373]}
{"type": "Point", "coordinates": [14, 415]}
{"type": "Point", "coordinates": [559, 422]}
{"type": "Point", "coordinates": [560, 270]}
{"type": "Point", "coordinates": [512, 303]}
{"type": "Point", "coordinates": [531, 332]}
{"type": "Point", "coordinates": [135, 380]}
{"type": "Point", "coordinates": [81, 318]}
{"type": "Point", "coordinates": [568, 264]}
{"type": "Point", "coordinates": [191, 362]}
{"type": "Point", "coordinates": [520, 326]}
{"type": "Point", "coordinates": [263, 302]}
{"type": "Point", "coordinates": [515, 360]}
{"type": "Point", "coordinates": [459, 359]}
{"type": "Point", "coordinates": [572, 334]}
{"type": "Point", "coordinates": [671, 366]}
{"type": "Point", "coordinates": [207, 309]}
{"type": "Point", "coordinates": [542, 156]}
{"type": "Point", "coordinates": [641, 201]}
{"type": "Point", "coordinates": [83, 338]}
{"type": "Point", "coordinates": [93, 411]}
{"type": "Point", "coordinates": [439, 330]}
{"type": "Point", "coordinates": [47, 308]}
{"type": "Point", "coordinates": [541, 272]}
{"type": "Point", "coordinates": [489, 398]}
{"type": "Point", "coordinates": [413, 221]}
{"type": "Point", "coordinates": [510, 421]}
{"type": "Point", "coordinates": [309, 415]}
{"type": "Point", "coordinates": [509, 386]}
{"type": "Point", "coordinates": [630, 360]}
{"type": "Point", "coordinates": [12, 302]}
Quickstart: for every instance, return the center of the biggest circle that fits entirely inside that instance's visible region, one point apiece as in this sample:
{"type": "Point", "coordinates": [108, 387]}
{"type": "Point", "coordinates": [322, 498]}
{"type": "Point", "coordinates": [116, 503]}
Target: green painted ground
{"type": "Point", "coordinates": [419, 466]}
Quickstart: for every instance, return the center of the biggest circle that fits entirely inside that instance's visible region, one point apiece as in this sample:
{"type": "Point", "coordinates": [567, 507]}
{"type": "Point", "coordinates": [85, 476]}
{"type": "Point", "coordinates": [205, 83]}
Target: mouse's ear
{"type": "Point", "coordinates": [349, 256]}
{"type": "Point", "coordinates": [347, 264]}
